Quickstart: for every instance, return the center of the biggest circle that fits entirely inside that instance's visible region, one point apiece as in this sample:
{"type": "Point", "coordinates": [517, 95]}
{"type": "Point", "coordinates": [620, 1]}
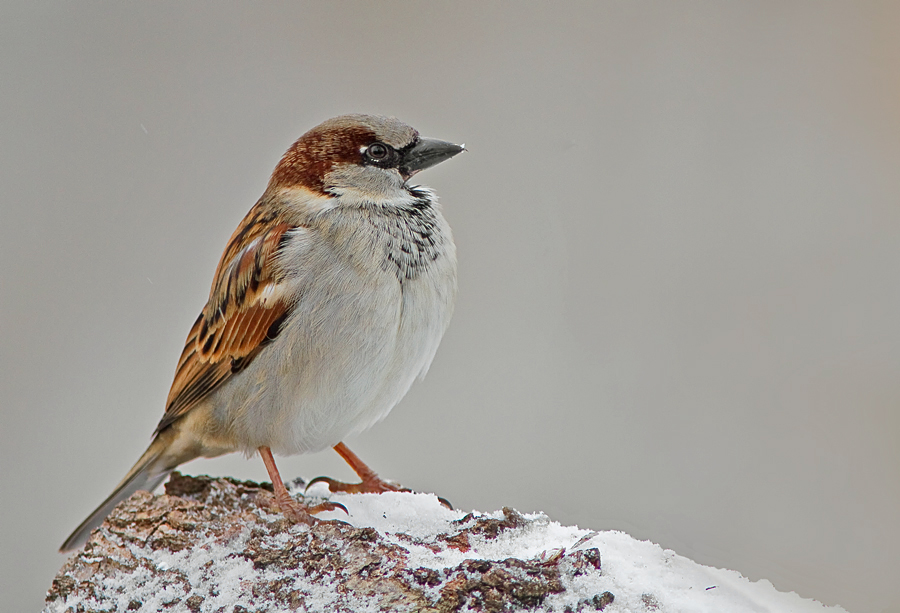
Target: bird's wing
{"type": "Point", "coordinates": [247, 305]}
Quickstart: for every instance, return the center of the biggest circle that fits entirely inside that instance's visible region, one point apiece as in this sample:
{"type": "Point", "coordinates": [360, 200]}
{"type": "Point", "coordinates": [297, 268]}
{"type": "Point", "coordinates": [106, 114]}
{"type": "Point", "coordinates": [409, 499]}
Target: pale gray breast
{"type": "Point", "coordinates": [420, 254]}
{"type": "Point", "coordinates": [375, 291]}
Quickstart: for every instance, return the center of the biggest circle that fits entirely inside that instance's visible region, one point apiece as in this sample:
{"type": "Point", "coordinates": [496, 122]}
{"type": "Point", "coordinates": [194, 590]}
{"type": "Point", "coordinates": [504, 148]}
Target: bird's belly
{"type": "Point", "coordinates": [344, 361]}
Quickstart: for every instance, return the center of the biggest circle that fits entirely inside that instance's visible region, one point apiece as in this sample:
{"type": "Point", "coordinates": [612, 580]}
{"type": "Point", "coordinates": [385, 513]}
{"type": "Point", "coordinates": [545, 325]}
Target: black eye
{"type": "Point", "coordinates": [378, 152]}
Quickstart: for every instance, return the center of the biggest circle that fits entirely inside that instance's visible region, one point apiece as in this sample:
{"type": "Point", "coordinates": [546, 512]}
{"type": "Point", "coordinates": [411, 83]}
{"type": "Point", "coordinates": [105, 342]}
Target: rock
{"type": "Point", "coordinates": [215, 545]}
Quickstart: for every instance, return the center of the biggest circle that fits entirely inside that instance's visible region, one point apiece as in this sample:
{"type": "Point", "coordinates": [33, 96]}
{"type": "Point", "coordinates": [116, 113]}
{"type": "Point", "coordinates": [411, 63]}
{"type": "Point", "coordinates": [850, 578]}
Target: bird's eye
{"type": "Point", "coordinates": [378, 152]}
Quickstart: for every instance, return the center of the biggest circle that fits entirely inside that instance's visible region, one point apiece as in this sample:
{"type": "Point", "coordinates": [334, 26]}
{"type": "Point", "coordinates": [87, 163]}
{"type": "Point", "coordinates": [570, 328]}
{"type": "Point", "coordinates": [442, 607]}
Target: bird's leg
{"type": "Point", "coordinates": [292, 508]}
{"type": "Point", "coordinates": [371, 483]}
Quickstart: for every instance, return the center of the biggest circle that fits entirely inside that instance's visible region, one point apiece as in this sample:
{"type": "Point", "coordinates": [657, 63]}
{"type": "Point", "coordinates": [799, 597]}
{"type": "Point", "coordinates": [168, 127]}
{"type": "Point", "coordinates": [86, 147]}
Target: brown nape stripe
{"type": "Point", "coordinates": [316, 152]}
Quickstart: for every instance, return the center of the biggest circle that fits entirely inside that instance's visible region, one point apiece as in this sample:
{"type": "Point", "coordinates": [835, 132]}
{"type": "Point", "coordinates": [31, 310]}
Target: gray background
{"type": "Point", "coordinates": [679, 238]}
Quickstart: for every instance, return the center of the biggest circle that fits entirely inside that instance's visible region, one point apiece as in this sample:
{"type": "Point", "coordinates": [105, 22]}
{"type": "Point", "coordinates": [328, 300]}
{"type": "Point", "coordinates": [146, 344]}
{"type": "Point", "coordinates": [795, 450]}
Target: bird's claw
{"type": "Point", "coordinates": [367, 486]}
{"type": "Point", "coordinates": [327, 506]}
{"type": "Point", "coordinates": [294, 511]}
{"type": "Point", "coordinates": [299, 513]}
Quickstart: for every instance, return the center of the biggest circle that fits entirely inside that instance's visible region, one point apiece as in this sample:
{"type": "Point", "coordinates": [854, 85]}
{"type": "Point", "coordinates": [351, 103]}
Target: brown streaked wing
{"type": "Point", "coordinates": [244, 311]}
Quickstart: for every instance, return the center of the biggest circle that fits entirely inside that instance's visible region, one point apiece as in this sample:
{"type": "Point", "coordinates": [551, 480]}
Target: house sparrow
{"type": "Point", "coordinates": [330, 299]}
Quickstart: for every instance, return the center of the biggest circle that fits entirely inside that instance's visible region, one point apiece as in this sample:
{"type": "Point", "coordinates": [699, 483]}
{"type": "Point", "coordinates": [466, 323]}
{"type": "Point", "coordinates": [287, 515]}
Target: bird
{"type": "Point", "coordinates": [329, 301]}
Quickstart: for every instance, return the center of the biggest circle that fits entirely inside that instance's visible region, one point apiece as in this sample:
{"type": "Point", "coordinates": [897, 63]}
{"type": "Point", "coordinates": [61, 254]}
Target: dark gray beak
{"type": "Point", "coordinates": [426, 153]}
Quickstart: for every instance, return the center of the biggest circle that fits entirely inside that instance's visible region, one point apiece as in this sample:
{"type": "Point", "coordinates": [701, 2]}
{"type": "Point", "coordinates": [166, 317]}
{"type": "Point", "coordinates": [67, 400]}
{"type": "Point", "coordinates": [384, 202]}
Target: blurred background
{"type": "Point", "coordinates": [679, 237]}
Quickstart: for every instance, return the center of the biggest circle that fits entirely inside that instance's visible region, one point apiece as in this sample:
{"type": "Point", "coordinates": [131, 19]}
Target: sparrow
{"type": "Point", "coordinates": [330, 299]}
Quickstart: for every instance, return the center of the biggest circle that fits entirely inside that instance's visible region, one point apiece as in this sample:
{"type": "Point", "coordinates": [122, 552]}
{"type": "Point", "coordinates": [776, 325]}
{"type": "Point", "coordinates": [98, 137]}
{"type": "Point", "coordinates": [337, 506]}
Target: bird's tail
{"type": "Point", "coordinates": [149, 471]}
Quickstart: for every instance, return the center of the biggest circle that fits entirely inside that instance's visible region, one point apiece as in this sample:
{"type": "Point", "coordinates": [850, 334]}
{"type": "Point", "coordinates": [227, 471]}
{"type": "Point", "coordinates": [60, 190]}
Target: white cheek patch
{"type": "Point", "coordinates": [306, 201]}
{"type": "Point", "coordinates": [357, 185]}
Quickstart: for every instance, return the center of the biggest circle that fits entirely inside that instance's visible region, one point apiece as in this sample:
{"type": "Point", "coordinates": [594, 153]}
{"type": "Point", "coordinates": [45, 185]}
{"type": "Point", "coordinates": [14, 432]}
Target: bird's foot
{"type": "Point", "coordinates": [299, 513]}
{"type": "Point", "coordinates": [370, 485]}
{"type": "Point", "coordinates": [290, 507]}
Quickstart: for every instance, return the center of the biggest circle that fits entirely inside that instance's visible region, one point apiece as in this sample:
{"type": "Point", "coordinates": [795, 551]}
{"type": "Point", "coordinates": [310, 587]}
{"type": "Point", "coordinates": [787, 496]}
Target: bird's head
{"type": "Point", "coordinates": [358, 159]}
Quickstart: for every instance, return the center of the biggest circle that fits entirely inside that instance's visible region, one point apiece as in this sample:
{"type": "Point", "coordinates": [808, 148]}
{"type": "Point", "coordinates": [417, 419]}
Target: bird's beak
{"type": "Point", "coordinates": [426, 153]}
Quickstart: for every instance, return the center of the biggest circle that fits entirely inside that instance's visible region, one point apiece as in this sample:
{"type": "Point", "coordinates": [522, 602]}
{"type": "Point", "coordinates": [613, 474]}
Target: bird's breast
{"type": "Point", "coordinates": [373, 300]}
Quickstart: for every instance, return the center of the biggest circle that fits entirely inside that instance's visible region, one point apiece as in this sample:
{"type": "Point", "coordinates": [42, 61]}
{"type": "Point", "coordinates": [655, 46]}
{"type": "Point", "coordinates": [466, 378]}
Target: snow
{"type": "Point", "coordinates": [641, 575]}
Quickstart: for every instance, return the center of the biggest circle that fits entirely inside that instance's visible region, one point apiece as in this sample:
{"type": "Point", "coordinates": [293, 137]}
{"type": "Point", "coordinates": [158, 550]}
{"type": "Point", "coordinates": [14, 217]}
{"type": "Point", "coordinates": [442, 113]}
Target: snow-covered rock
{"type": "Point", "coordinates": [215, 545]}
